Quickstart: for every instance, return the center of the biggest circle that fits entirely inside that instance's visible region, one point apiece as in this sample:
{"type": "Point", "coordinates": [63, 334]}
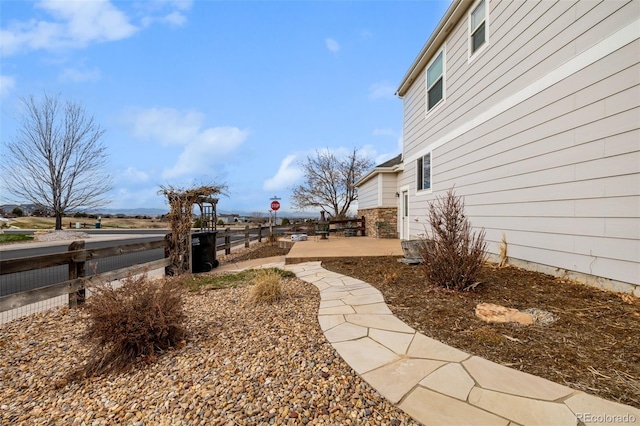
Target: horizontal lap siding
{"type": "Point", "coordinates": [389, 189]}
{"type": "Point", "coordinates": [558, 173]}
{"type": "Point", "coordinates": [368, 194]}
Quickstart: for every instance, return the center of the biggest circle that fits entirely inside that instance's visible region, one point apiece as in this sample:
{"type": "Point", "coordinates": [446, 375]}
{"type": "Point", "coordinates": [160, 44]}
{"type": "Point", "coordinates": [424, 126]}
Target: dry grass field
{"type": "Point", "coordinates": [30, 222]}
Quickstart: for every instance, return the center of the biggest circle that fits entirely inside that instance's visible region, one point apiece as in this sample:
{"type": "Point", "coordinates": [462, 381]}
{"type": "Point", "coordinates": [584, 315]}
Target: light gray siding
{"type": "Point", "coordinates": [368, 194]}
{"type": "Point", "coordinates": [389, 188]}
{"type": "Point", "coordinates": [541, 139]}
{"type": "Point", "coordinates": [379, 191]}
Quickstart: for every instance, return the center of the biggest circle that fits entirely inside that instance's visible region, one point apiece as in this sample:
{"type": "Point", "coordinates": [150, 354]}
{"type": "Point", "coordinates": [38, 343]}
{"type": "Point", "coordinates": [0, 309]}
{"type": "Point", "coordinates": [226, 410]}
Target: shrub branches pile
{"type": "Point", "coordinates": [132, 321]}
{"type": "Point", "coordinates": [453, 256]}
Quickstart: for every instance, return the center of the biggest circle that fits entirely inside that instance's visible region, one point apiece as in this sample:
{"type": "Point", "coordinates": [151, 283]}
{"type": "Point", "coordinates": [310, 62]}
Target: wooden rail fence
{"type": "Point", "coordinates": [79, 278]}
{"type": "Point", "coordinates": [76, 258]}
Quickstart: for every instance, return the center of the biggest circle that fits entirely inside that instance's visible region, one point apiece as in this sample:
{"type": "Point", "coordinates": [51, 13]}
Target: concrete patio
{"type": "Point", "coordinates": [316, 248]}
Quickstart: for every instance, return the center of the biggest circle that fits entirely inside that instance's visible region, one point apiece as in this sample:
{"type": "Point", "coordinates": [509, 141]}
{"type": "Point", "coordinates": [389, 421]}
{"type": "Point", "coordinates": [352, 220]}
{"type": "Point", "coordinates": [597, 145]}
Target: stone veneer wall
{"type": "Point", "coordinates": [380, 214]}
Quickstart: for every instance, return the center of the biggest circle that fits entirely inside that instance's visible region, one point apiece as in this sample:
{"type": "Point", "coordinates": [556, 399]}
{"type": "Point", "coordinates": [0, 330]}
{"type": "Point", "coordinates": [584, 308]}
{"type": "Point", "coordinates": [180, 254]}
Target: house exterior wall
{"type": "Point", "coordinates": [378, 191]}
{"type": "Point", "coordinates": [368, 194]}
{"type": "Point", "coordinates": [540, 132]}
{"type": "Point", "coordinates": [389, 186]}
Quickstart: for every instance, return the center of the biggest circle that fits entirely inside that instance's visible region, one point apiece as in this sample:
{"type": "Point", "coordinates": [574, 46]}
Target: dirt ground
{"type": "Point", "coordinates": [593, 345]}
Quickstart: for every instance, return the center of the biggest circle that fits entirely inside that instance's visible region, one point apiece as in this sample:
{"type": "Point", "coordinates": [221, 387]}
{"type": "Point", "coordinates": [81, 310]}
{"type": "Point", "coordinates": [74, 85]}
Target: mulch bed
{"type": "Point", "coordinates": [594, 345]}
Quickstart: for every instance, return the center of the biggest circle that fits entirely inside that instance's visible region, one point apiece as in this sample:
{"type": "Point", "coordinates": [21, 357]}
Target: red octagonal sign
{"type": "Point", "coordinates": [275, 205]}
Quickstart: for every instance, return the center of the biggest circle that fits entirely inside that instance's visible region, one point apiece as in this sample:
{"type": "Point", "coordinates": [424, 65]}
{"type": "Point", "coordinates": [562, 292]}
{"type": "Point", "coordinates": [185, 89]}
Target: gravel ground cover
{"type": "Point", "coordinates": [241, 365]}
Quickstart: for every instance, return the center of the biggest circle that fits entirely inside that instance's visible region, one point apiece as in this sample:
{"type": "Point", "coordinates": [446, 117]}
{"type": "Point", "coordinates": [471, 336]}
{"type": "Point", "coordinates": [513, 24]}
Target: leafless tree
{"type": "Point", "coordinates": [329, 182]}
{"type": "Point", "coordinates": [56, 158]}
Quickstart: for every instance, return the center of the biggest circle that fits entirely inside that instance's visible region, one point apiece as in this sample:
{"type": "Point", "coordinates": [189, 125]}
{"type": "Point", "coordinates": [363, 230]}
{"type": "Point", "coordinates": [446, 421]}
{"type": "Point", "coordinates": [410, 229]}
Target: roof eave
{"type": "Point", "coordinates": [374, 172]}
{"type": "Point", "coordinates": [442, 30]}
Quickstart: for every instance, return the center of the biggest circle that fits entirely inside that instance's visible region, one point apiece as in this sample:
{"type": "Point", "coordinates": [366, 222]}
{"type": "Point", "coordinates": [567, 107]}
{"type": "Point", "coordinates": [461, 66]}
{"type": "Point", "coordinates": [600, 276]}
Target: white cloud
{"type": "Point", "coordinates": [167, 126]}
{"type": "Point", "coordinates": [174, 19]}
{"type": "Point", "coordinates": [161, 4]}
{"type": "Point", "coordinates": [167, 12]}
{"type": "Point", "coordinates": [126, 198]}
{"type": "Point", "coordinates": [383, 132]}
{"type": "Point", "coordinates": [202, 147]}
{"type": "Point", "coordinates": [381, 90]}
{"type": "Point", "coordinates": [332, 45]}
{"type": "Point", "coordinates": [288, 175]}
{"type": "Point", "coordinates": [75, 24]}
{"type": "Point", "coordinates": [207, 148]}
{"type": "Point", "coordinates": [131, 175]}
{"type": "Point", "coordinates": [77, 76]}
{"type": "Point", "coordinates": [7, 84]}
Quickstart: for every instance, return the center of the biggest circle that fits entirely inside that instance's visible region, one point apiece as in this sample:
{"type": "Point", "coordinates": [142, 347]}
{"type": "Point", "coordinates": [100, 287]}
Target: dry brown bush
{"type": "Point", "coordinates": [267, 286]}
{"type": "Point", "coordinates": [453, 255]}
{"type": "Point", "coordinates": [133, 321]}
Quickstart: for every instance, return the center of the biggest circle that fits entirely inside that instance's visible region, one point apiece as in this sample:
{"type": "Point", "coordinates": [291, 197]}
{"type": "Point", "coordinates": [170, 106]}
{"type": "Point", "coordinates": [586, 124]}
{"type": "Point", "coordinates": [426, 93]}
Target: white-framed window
{"type": "Point", "coordinates": [435, 81]}
{"type": "Point", "coordinates": [424, 172]}
{"type": "Point", "coordinates": [478, 27]}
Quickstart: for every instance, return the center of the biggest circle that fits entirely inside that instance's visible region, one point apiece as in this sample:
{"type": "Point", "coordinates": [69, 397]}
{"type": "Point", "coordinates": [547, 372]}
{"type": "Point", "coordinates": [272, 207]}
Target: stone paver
{"type": "Point", "coordinates": [451, 379]}
{"type": "Point", "coordinates": [344, 332]}
{"type": "Point", "coordinates": [365, 354]}
{"type": "Point", "coordinates": [433, 382]}
{"type": "Point", "coordinates": [526, 411]}
{"type": "Point", "coordinates": [496, 377]}
{"type": "Point", "coordinates": [397, 342]}
{"type": "Point", "coordinates": [406, 374]}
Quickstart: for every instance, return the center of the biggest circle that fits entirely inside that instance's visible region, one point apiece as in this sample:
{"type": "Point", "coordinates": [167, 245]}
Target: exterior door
{"type": "Point", "coordinates": [405, 215]}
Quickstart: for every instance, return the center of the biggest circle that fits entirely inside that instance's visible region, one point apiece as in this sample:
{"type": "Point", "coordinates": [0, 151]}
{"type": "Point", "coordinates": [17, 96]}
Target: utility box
{"type": "Point", "coordinates": [203, 251]}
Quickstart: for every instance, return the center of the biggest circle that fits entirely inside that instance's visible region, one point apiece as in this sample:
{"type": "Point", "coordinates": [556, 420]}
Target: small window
{"type": "Point", "coordinates": [424, 172]}
{"type": "Point", "coordinates": [435, 82]}
{"type": "Point", "coordinates": [478, 26]}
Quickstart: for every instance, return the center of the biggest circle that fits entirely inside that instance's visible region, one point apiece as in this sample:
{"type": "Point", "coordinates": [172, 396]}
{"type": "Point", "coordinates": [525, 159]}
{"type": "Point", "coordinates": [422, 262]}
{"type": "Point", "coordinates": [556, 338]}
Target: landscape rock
{"type": "Point", "coordinates": [490, 312]}
{"type": "Point", "coordinates": [241, 365]}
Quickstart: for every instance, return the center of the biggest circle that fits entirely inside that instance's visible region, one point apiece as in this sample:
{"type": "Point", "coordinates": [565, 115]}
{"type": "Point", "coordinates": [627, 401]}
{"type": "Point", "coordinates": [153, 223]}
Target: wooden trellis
{"type": "Point", "coordinates": [181, 202]}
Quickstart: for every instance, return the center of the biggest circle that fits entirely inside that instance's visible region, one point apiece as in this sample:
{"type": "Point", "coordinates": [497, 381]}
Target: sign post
{"type": "Point", "coordinates": [275, 206]}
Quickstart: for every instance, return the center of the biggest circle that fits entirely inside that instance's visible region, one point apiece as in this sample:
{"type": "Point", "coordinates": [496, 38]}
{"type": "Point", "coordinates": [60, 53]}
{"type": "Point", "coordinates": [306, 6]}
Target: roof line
{"type": "Point", "coordinates": [442, 30]}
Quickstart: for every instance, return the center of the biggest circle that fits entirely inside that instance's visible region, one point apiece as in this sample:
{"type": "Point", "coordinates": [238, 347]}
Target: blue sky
{"type": "Point", "coordinates": [200, 91]}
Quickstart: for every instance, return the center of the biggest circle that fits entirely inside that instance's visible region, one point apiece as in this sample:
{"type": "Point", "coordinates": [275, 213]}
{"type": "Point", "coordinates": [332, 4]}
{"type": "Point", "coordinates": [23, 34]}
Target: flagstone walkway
{"type": "Point", "coordinates": [434, 383]}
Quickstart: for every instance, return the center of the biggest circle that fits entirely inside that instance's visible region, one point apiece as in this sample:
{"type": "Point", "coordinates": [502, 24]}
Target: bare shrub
{"type": "Point", "coordinates": [133, 321]}
{"type": "Point", "coordinates": [267, 286]}
{"type": "Point", "coordinates": [453, 255]}
{"type": "Point", "coordinates": [503, 251]}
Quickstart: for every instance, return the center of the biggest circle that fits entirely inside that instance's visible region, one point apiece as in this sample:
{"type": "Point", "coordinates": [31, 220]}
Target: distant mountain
{"type": "Point", "coordinates": [139, 211]}
{"type": "Point", "coordinates": [146, 211]}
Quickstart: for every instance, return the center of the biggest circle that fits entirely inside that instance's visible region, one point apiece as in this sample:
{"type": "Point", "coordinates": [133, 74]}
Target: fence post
{"type": "Point", "coordinates": [246, 236]}
{"type": "Point", "coordinates": [259, 232]}
{"type": "Point", "coordinates": [77, 270]}
{"type": "Point", "coordinates": [227, 241]}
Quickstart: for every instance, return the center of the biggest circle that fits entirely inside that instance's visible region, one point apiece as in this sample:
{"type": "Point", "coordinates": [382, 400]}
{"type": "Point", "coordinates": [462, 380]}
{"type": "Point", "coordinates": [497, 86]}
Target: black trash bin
{"type": "Point", "coordinates": [203, 251]}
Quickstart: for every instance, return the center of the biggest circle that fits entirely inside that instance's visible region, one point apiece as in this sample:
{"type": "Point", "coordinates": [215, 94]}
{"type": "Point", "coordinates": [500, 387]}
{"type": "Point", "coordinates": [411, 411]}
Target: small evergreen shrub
{"type": "Point", "coordinates": [453, 256]}
{"type": "Point", "coordinates": [267, 286]}
{"type": "Point", "coordinates": [133, 321]}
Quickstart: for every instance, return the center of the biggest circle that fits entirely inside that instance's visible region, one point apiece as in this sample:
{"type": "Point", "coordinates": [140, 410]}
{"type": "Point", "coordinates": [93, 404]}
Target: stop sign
{"type": "Point", "coordinates": [275, 205]}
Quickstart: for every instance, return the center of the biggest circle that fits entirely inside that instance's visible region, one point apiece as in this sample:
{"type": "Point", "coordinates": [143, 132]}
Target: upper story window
{"type": "Point", "coordinates": [435, 81]}
{"type": "Point", "coordinates": [424, 172]}
{"type": "Point", "coordinates": [478, 26]}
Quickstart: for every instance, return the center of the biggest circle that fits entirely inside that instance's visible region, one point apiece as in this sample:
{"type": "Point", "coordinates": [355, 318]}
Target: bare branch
{"type": "Point", "coordinates": [330, 182]}
{"type": "Point", "coordinates": [56, 158]}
